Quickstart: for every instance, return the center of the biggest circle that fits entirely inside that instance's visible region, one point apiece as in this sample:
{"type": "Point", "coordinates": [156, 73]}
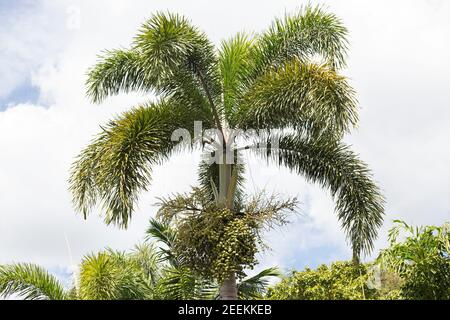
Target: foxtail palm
{"type": "Point", "coordinates": [285, 79]}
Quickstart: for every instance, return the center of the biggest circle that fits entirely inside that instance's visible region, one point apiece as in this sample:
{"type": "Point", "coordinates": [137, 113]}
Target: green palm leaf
{"type": "Point", "coordinates": [112, 275]}
{"type": "Point", "coordinates": [116, 166]}
{"type": "Point", "coordinates": [30, 282]}
{"type": "Point", "coordinates": [255, 287]}
{"type": "Point", "coordinates": [303, 96]}
{"type": "Point", "coordinates": [332, 165]}
{"type": "Point", "coordinates": [309, 33]}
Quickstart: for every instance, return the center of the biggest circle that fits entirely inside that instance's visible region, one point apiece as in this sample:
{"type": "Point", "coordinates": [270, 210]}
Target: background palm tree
{"type": "Point", "coordinates": [30, 282]}
{"type": "Point", "coordinates": [285, 79]}
{"type": "Point", "coordinates": [149, 271]}
{"type": "Point", "coordinates": [107, 275]}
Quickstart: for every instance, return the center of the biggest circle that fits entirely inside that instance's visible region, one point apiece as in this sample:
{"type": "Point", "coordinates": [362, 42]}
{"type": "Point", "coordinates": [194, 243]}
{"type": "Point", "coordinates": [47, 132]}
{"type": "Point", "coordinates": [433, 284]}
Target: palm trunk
{"type": "Point", "coordinates": [228, 289]}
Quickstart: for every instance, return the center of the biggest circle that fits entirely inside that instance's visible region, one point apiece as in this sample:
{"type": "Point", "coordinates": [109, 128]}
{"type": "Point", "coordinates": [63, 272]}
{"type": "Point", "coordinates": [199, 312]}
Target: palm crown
{"type": "Point", "coordinates": [285, 79]}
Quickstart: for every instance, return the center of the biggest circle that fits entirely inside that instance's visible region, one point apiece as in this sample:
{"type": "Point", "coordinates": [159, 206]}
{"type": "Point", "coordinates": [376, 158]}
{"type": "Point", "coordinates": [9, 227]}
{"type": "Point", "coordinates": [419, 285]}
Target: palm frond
{"type": "Point", "coordinates": [181, 54]}
{"type": "Point", "coordinates": [116, 166]}
{"type": "Point", "coordinates": [308, 34]}
{"type": "Point", "coordinates": [118, 71]}
{"type": "Point", "coordinates": [304, 96]}
{"type": "Point", "coordinates": [309, 37]}
{"type": "Point", "coordinates": [179, 283]}
{"type": "Point", "coordinates": [169, 57]}
{"type": "Point", "coordinates": [235, 66]}
{"type": "Point", "coordinates": [255, 287]}
{"type": "Point", "coordinates": [163, 233]}
{"type": "Point", "coordinates": [331, 164]}
{"type": "Point", "coordinates": [30, 282]}
{"type": "Point", "coordinates": [147, 258]}
{"type": "Point", "coordinates": [112, 276]}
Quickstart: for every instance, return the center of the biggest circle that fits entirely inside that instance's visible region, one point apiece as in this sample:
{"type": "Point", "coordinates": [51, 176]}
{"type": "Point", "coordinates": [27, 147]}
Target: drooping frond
{"type": "Point", "coordinates": [302, 96]}
{"type": "Point", "coordinates": [118, 71]}
{"type": "Point", "coordinates": [331, 164]}
{"type": "Point", "coordinates": [310, 33]}
{"type": "Point", "coordinates": [30, 282]}
{"type": "Point", "coordinates": [255, 287]}
{"type": "Point", "coordinates": [116, 166]}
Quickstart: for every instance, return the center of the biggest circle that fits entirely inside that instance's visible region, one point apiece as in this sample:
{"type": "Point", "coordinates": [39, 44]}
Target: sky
{"type": "Point", "coordinates": [398, 63]}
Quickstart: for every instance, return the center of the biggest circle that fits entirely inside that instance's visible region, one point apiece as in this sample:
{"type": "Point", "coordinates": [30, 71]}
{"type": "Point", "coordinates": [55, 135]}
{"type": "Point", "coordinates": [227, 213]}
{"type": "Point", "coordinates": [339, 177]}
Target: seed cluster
{"type": "Point", "coordinates": [217, 242]}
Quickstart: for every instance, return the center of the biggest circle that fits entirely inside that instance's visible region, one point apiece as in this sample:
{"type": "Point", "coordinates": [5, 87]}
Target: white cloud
{"type": "Point", "coordinates": [398, 63]}
{"type": "Point", "coordinates": [29, 39]}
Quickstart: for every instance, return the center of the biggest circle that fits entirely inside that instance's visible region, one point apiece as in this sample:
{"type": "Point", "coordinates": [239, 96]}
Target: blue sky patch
{"type": "Point", "coordinates": [25, 93]}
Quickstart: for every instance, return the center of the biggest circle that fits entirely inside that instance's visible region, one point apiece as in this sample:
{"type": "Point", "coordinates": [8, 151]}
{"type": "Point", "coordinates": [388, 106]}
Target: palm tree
{"type": "Point", "coordinates": [107, 275]}
{"type": "Point", "coordinates": [30, 282]}
{"type": "Point", "coordinates": [285, 80]}
{"type": "Point", "coordinates": [113, 275]}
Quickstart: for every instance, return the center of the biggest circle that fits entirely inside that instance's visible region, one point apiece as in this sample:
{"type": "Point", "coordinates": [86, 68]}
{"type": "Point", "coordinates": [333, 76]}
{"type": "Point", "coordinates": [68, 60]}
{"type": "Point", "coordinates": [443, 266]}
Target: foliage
{"type": "Point", "coordinates": [114, 275]}
{"type": "Point", "coordinates": [190, 251]}
{"type": "Point", "coordinates": [255, 287]}
{"type": "Point", "coordinates": [386, 283]}
{"type": "Point", "coordinates": [421, 259]}
{"type": "Point", "coordinates": [214, 241]}
{"type": "Point", "coordinates": [30, 282]}
{"type": "Point", "coordinates": [340, 281]}
{"type": "Point", "coordinates": [180, 283]}
{"type": "Point", "coordinates": [286, 79]}
{"type": "Point", "coordinates": [334, 166]}
{"type": "Point", "coordinates": [415, 266]}
{"type": "Point", "coordinates": [146, 272]}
